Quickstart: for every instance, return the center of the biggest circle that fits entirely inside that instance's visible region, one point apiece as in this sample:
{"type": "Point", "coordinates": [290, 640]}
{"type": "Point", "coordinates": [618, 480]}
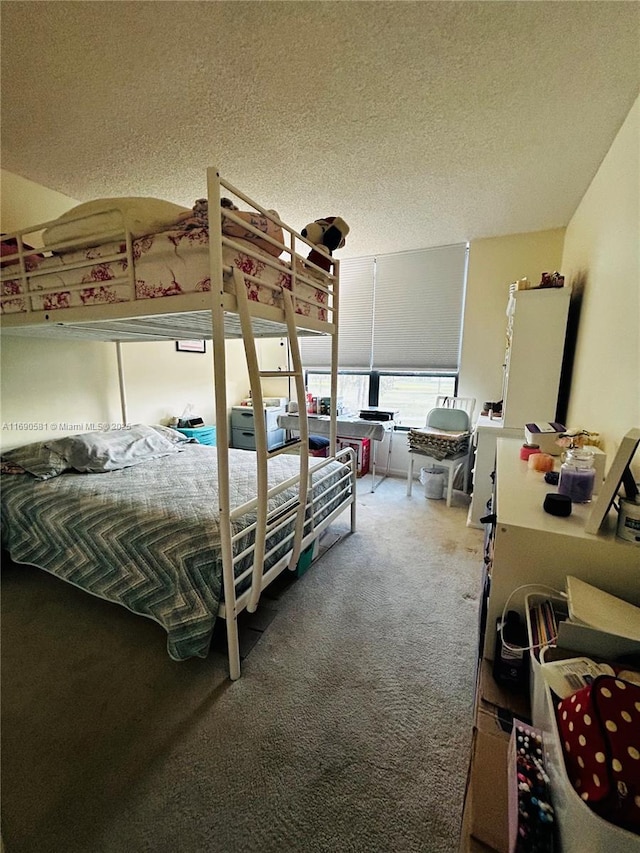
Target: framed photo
{"type": "Point", "coordinates": [191, 346]}
{"type": "Point", "coordinates": [619, 474]}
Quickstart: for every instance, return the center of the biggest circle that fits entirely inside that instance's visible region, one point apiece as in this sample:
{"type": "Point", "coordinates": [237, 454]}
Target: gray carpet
{"type": "Point", "coordinates": [348, 731]}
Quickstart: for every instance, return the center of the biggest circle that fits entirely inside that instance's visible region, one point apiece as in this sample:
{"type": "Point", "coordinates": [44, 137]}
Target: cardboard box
{"type": "Point", "coordinates": [362, 447]}
{"type": "Point", "coordinates": [545, 436]}
{"type": "Point", "coordinates": [469, 844]}
{"type": "Point", "coordinates": [485, 824]}
{"type": "Point", "coordinates": [488, 786]}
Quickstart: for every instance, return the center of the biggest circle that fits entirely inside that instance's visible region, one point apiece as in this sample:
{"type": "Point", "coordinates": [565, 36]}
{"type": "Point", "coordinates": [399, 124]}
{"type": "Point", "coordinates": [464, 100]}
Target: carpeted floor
{"type": "Point", "coordinates": [348, 731]}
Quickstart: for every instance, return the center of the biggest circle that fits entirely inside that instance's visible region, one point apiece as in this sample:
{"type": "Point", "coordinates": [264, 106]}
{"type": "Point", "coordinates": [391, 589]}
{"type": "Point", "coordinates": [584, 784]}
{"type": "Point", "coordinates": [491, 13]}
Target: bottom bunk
{"type": "Point", "coordinates": [132, 517]}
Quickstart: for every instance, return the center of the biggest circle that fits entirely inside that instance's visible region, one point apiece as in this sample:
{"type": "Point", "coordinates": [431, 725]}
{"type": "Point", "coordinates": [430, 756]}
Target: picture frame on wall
{"type": "Point", "coordinates": [191, 346]}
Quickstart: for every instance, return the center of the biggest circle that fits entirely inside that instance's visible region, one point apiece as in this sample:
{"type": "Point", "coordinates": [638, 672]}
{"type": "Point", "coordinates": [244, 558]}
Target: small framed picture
{"type": "Point", "coordinates": [619, 474]}
{"type": "Point", "coordinates": [191, 346]}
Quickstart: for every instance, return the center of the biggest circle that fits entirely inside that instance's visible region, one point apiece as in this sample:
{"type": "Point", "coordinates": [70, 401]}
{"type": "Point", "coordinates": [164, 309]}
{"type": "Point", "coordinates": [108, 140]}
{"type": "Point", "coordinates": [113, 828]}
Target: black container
{"type": "Point", "coordinates": [511, 656]}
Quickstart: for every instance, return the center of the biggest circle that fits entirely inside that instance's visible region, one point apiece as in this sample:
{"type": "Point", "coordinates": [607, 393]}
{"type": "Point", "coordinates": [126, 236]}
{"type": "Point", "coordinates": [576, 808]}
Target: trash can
{"type": "Point", "coordinates": [433, 481]}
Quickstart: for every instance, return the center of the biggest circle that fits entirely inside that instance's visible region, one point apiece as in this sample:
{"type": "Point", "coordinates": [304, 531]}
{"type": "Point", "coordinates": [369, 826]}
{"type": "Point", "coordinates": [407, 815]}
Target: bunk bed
{"type": "Point", "coordinates": [242, 517]}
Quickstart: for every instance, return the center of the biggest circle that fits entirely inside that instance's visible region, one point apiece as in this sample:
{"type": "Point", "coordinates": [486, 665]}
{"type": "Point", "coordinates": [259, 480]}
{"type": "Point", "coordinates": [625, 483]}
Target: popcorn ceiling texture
{"type": "Point", "coordinates": [421, 124]}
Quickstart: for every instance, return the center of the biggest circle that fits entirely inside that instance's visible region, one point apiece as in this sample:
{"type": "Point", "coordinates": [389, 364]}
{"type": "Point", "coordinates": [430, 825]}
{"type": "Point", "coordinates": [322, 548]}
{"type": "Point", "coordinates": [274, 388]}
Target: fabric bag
{"type": "Point", "coordinates": [600, 731]}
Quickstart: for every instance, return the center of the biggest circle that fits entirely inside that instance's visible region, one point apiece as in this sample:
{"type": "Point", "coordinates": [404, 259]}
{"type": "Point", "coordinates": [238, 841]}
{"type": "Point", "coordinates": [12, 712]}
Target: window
{"type": "Point", "coordinates": [353, 388]}
{"type": "Point", "coordinates": [400, 332]}
{"type": "Point", "coordinates": [413, 395]}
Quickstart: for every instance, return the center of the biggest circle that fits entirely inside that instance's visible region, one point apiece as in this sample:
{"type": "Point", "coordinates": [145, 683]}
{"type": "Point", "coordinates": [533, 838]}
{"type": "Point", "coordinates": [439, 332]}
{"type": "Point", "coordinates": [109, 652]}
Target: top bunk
{"type": "Point", "coordinates": [148, 270]}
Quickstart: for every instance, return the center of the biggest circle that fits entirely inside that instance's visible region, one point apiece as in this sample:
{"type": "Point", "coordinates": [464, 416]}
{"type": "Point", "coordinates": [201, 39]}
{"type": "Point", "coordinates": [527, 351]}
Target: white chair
{"type": "Point", "coordinates": [466, 403]}
{"type": "Point", "coordinates": [445, 419]}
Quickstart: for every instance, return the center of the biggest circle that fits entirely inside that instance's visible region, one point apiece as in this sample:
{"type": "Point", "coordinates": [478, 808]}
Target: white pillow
{"type": "Point", "coordinates": [99, 452]}
{"type": "Point", "coordinates": [141, 216]}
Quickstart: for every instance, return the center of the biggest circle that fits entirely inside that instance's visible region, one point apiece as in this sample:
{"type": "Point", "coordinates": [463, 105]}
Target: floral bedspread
{"type": "Point", "coordinates": [167, 264]}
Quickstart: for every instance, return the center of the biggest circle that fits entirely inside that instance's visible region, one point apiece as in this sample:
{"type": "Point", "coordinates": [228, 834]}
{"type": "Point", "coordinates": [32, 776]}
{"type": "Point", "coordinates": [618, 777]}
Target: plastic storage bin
{"type": "Point", "coordinates": [580, 829]}
{"type": "Point", "coordinates": [204, 434]}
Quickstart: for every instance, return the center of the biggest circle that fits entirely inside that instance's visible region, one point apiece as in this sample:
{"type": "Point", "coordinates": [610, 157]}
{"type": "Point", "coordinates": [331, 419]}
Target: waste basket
{"type": "Point", "coordinates": [432, 479]}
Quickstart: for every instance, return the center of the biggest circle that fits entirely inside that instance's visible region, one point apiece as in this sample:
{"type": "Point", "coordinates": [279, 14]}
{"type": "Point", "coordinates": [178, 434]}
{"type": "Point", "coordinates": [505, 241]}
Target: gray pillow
{"type": "Point", "coordinates": [110, 450]}
{"type": "Point", "coordinates": [37, 459]}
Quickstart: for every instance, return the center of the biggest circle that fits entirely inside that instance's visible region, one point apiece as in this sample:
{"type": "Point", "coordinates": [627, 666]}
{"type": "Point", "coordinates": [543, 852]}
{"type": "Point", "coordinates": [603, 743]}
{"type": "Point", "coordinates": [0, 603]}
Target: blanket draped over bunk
{"type": "Point", "coordinates": [438, 444]}
{"type": "Point", "coordinates": [167, 263]}
{"type": "Point", "coordinates": [148, 536]}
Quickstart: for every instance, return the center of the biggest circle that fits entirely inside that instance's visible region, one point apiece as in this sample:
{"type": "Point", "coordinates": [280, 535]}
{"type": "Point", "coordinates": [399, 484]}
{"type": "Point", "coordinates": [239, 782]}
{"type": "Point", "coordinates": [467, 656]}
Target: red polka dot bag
{"type": "Point", "coordinates": [600, 732]}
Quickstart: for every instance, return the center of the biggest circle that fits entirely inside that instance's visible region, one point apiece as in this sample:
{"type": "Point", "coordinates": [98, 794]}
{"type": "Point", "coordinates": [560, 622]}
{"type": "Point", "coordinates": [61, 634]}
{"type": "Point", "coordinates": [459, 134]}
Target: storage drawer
{"type": "Point", "coordinates": [245, 439]}
{"type": "Point", "coordinates": [242, 417]}
{"type": "Point", "coordinates": [204, 435]}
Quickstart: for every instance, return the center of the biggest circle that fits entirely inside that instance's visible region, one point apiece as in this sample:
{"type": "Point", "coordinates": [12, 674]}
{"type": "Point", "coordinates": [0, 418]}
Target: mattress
{"type": "Point", "coordinates": [168, 263]}
{"type": "Point", "coordinates": [148, 537]}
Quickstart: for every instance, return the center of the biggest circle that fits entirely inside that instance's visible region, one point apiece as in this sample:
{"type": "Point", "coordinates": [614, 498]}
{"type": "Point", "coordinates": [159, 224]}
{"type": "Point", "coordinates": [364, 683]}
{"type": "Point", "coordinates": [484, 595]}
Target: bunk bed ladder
{"type": "Point", "coordinates": [262, 453]}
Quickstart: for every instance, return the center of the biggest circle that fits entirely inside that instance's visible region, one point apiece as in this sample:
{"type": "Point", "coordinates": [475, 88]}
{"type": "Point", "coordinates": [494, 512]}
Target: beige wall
{"type": "Point", "coordinates": [493, 264]}
{"type": "Point", "coordinates": [602, 259]}
{"type": "Point", "coordinates": [45, 382]}
{"type": "Point", "coordinates": [22, 203]}
{"type": "Point", "coordinates": [49, 384]}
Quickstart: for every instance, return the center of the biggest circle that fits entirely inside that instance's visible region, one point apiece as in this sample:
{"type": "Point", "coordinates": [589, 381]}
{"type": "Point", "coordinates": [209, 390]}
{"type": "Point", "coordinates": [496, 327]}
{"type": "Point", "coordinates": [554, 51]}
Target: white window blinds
{"type": "Point", "coordinates": [418, 309]}
{"type": "Point", "coordinates": [355, 328]}
{"type": "Point", "coordinates": [397, 312]}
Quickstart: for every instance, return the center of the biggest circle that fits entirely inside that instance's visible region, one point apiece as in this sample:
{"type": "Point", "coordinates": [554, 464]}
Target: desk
{"type": "Point", "coordinates": [347, 427]}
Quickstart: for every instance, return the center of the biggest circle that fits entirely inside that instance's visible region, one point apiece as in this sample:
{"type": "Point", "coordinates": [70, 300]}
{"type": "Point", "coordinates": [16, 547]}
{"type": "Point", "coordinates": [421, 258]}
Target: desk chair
{"type": "Point", "coordinates": [445, 419]}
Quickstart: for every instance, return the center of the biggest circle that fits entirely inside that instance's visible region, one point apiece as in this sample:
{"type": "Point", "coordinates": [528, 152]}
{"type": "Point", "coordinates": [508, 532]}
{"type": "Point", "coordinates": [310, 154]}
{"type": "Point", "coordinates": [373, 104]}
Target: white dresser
{"type": "Point", "coordinates": [485, 437]}
{"type": "Point", "coordinates": [243, 428]}
{"type": "Point", "coordinates": [532, 547]}
{"type": "Point", "coordinates": [527, 546]}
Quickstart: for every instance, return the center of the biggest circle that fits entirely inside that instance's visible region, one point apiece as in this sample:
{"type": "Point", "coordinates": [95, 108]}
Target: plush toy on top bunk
{"type": "Point", "coordinates": [328, 234]}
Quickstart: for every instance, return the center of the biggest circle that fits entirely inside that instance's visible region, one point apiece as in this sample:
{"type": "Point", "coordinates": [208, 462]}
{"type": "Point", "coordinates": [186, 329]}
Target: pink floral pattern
{"type": "Point", "coordinates": [98, 296]}
{"type": "Point", "coordinates": [14, 306]}
{"type": "Point", "coordinates": [249, 265]}
{"type": "Point", "coordinates": [172, 263]}
{"type": "Point", "coordinates": [56, 300]}
{"type": "Point", "coordinates": [149, 290]}
{"type": "Point", "coordinates": [11, 287]}
{"type": "Point", "coordinates": [101, 272]}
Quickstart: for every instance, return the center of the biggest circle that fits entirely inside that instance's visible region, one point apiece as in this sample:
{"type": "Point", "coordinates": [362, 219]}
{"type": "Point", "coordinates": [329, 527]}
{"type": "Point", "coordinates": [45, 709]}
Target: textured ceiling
{"type": "Point", "coordinates": [421, 124]}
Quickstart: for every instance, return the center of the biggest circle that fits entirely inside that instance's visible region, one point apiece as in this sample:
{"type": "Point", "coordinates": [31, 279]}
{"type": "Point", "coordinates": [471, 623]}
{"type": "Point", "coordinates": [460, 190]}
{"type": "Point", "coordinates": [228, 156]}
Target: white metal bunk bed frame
{"type": "Point", "coordinates": [212, 315]}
